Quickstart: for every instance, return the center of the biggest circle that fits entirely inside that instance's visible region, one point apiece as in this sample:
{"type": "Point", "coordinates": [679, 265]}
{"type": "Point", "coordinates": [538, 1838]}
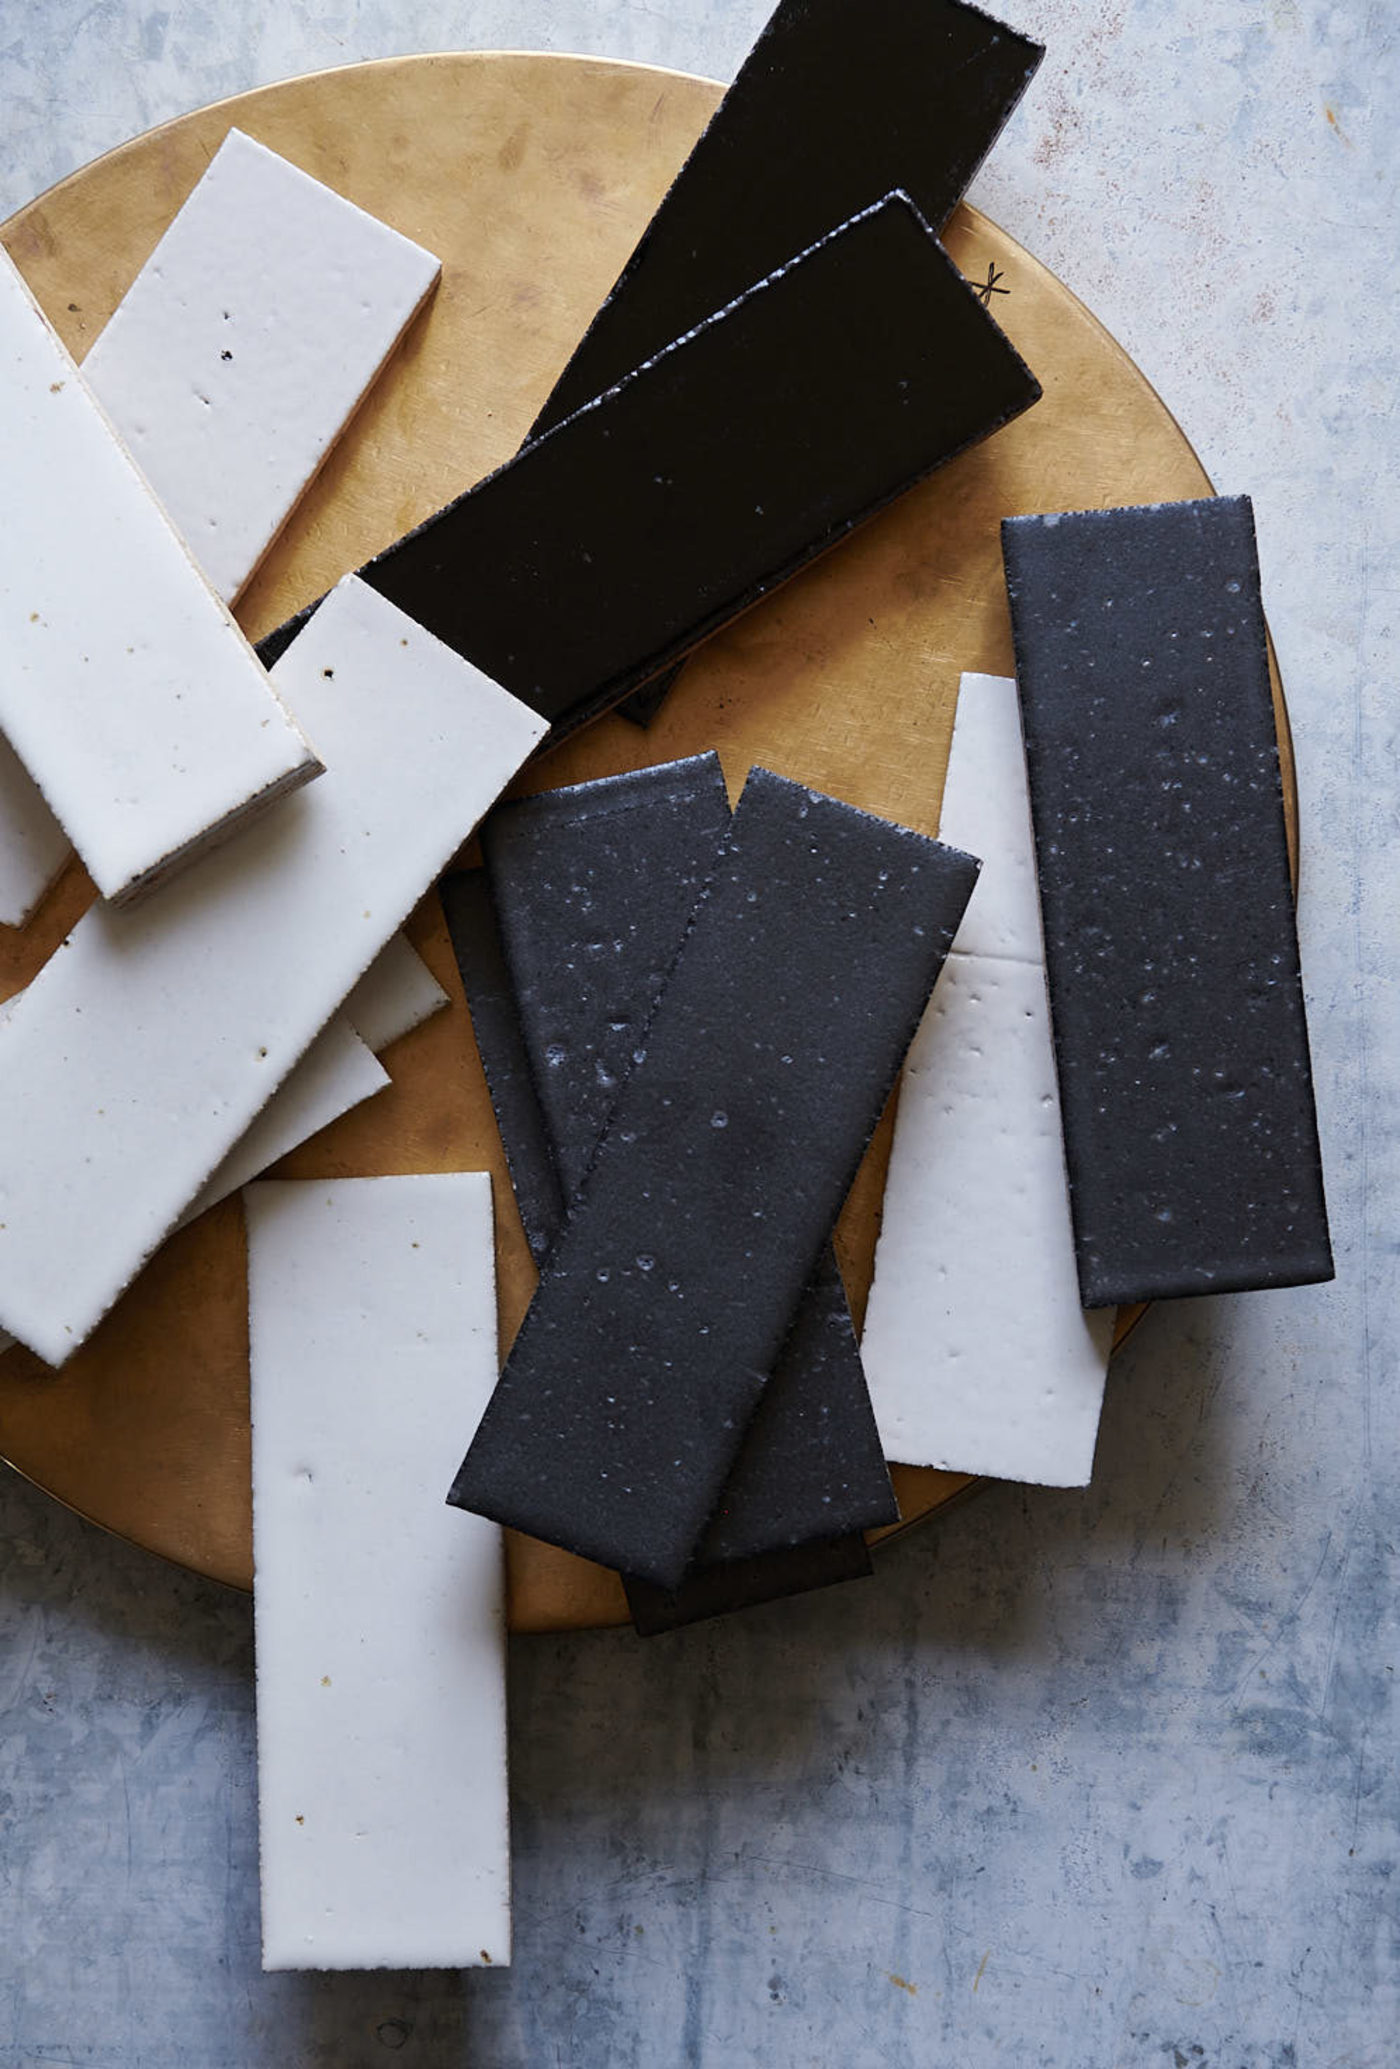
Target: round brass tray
{"type": "Point", "coordinates": [531, 177]}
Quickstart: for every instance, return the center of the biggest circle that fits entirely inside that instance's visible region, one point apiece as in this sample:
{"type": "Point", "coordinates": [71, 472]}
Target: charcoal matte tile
{"type": "Point", "coordinates": [745, 1583]}
{"type": "Point", "coordinates": [1171, 949]}
{"type": "Point", "coordinates": [653, 516]}
{"type": "Point", "coordinates": [476, 944]}
{"type": "Point", "coordinates": [593, 888]}
{"type": "Point", "coordinates": [890, 95]}
{"type": "Point", "coordinates": [811, 1463]}
{"type": "Point", "coordinates": [768, 1059]}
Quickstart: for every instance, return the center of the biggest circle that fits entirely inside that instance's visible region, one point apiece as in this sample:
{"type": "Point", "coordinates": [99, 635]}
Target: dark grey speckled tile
{"type": "Point", "coordinates": [1171, 948]}
{"type": "Point", "coordinates": [594, 887]}
{"type": "Point", "coordinates": [733, 1143]}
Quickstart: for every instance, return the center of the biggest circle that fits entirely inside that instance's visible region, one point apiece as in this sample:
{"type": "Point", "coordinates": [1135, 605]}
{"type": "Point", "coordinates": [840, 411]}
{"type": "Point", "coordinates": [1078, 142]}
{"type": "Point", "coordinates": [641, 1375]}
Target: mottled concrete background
{"type": "Point", "coordinates": [1080, 1782]}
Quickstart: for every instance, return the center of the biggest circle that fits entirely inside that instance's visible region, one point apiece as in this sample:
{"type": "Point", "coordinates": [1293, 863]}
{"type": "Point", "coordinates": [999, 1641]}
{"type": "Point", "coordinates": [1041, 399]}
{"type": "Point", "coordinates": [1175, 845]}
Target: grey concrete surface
{"type": "Point", "coordinates": [1079, 1781]}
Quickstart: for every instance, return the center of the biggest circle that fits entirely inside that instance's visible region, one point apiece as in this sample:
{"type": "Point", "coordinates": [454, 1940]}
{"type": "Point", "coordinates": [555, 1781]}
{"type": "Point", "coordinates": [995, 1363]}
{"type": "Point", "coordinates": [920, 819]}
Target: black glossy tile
{"type": "Point", "coordinates": [654, 515]}
{"type": "Point", "coordinates": [666, 1300]}
{"type": "Point", "coordinates": [834, 108]}
{"type": "Point", "coordinates": [593, 888]}
{"type": "Point", "coordinates": [1180, 1039]}
{"type": "Point", "coordinates": [835, 105]}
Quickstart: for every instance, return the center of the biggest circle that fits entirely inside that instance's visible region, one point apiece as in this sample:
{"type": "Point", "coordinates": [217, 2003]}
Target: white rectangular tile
{"type": "Point", "coordinates": [986, 809]}
{"type": "Point", "coordinates": [126, 689]}
{"type": "Point", "coordinates": [228, 370]}
{"type": "Point", "coordinates": [246, 342]}
{"type": "Point", "coordinates": [382, 1806]}
{"type": "Point", "coordinates": [147, 1044]}
{"type": "Point", "coordinates": [978, 1355]}
{"type": "Point", "coordinates": [339, 1071]}
{"type": "Point", "coordinates": [33, 846]}
{"type": "Point", "coordinates": [397, 993]}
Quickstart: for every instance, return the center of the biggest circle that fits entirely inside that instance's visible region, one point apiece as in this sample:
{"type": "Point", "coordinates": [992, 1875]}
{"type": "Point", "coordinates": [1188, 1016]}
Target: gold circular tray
{"type": "Point", "coordinates": [532, 177]}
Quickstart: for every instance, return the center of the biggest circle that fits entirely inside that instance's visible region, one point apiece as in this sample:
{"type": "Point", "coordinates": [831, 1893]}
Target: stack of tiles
{"type": "Point", "coordinates": [866, 98]}
{"type": "Point", "coordinates": [593, 888]}
{"type": "Point", "coordinates": [732, 1144]}
{"type": "Point", "coordinates": [712, 472]}
{"type": "Point", "coordinates": [229, 368]}
{"type": "Point", "coordinates": [126, 688]}
{"type": "Point", "coordinates": [144, 1049]}
{"type": "Point", "coordinates": [690, 1020]}
{"type": "Point", "coordinates": [698, 1135]}
{"type": "Point", "coordinates": [339, 1071]}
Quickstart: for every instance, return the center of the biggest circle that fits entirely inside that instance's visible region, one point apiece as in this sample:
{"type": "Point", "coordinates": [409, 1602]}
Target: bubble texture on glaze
{"type": "Point", "coordinates": [620, 1412]}
{"type": "Point", "coordinates": [595, 886]}
{"type": "Point", "coordinates": [1171, 954]}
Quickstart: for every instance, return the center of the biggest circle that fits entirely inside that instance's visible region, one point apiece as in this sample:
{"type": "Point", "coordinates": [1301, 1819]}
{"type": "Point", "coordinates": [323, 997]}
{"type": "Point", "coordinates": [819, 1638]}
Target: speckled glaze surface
{"type": "Point", "coordinates": [1081, 1781]}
